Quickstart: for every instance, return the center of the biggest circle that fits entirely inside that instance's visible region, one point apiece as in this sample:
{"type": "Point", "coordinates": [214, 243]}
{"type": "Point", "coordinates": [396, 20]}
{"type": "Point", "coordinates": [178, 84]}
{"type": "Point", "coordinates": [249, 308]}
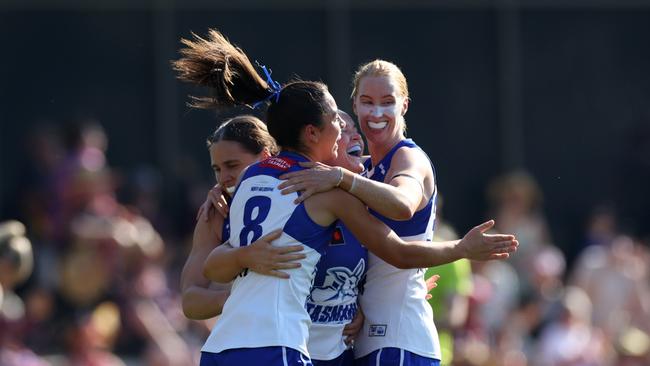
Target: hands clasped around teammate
{"type": "Point", "coordinates": [318, 178]}
{"type": "Point", "coordinates": [263, 258]}
{"type": "Point", "coordinates": [216, 200]}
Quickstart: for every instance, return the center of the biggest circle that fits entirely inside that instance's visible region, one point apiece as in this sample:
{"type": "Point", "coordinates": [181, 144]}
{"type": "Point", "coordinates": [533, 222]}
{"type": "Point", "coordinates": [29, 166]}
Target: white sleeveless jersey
{"type": "Point", "coordinates": [264, 311]}
{"type": "Point", "coordinates": [393, 299]}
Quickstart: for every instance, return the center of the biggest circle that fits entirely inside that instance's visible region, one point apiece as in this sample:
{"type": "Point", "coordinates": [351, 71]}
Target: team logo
{"type": "Point", "coordinates": [337, 237]}
{"type": "Point", "coordinates": [277, 163]}
{"type": "Point", "coordinates": [340, 284]}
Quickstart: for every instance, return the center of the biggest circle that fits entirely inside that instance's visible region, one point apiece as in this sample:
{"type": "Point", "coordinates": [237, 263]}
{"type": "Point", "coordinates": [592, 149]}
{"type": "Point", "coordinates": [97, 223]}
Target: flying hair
{"type": "Point", "coordinates": [224, 68]}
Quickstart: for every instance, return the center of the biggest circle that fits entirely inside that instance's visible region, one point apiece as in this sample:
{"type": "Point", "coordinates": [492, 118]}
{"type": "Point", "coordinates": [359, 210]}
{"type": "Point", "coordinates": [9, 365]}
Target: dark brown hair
{"type": "Point", "coordinates": [233, 80]}
{"type": "Point", "coordinates": [247, 130]}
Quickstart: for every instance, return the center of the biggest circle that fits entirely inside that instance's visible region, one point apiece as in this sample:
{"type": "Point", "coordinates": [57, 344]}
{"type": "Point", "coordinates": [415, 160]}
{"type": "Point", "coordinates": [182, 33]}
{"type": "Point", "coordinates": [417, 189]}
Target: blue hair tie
{"type": "Point", "coordinates": [274, 87]}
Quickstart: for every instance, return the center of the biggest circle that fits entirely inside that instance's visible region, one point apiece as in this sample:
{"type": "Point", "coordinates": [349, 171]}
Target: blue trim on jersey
{"type": "Point", "coordinates": [413, 226]}
{"type": "Point", "coordinates": [284, 162]}
{"type": "Point", "coordinates": [301, 226]}
{"type": "Point", "coordinates": [225, 229]}
{"type": "Point", "coordinates": [380, 170]}
{"type": "Point", "coordinates": [391, 356]}
{"type": "Point", "coordinates": [345, 359]}
{"type": "Point", "coordinates": [416, 224]}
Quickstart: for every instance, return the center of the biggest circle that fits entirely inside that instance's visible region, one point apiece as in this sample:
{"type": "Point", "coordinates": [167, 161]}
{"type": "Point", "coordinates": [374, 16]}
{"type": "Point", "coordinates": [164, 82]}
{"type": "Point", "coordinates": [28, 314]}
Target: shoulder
{"type": "Point", "coordinates": [410, 157]}
{"type": "Point", "coordinates": [273, 166]}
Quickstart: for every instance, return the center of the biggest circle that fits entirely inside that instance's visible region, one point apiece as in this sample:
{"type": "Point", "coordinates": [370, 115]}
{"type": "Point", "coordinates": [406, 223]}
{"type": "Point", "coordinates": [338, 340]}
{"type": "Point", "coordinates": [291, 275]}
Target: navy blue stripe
{"type": "Point", "coordinates": [301, 227]}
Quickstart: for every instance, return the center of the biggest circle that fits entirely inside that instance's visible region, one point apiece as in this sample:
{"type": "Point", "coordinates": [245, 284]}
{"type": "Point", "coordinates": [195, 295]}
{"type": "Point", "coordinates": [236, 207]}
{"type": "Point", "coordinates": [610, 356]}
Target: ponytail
{"type": "Point", "coordinates": [224, 68]}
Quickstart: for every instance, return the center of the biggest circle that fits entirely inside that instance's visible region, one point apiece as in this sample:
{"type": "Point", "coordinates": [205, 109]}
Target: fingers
{"type": "Point", "coordinates": [294, 187]}
{"type": "Point", "coordinates": [223, 205]}
{"type": "Point", "coordinates": [431, 282]}
{"type": "Point", "coordinates": [280, 259]}
{"type": "Point", "coordinates": [485, 226]}
{"type": "Point", "coordinates": [306, 194]}
{"type": "Point", "coordinates": [214, 199]}
{"type": "Point", "coordinates": [505, 246]}
{"type": "Point", "coordinates": [290, 176]}
{"type": "Point", "coordinates": [275, 234]}
{"type": "Point", "coordinates": [206, 210]}
{"type": "Point", "coordinates": [290, 249]}
{"type": "Point", "coordinates": [428, 297]}
{"type": "Point", "coordinates": [493, 238]}
{"type": "Point", "coordinates": [500, 256]}
{"type": "Point", "coordinates": [208, 213]}
{"type": "Point", "coordinates": [286, 265]}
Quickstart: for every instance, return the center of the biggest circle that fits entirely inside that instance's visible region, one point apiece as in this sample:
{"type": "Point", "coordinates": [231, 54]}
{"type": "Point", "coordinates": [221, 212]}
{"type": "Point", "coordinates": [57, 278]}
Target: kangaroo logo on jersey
{"type": "Point", "coordinates": [340, 283]}
{"type": "Point", "coordinates": [335, 300]}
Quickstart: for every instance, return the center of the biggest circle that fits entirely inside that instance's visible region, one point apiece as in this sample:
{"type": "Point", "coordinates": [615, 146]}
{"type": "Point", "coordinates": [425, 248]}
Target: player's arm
{"type": "Point", "coordinates": [398, 200]}
{"type": "Point", "coordinates": [199, 301]}
{"type": "Point", "coordinates": [409, 185]}
{"type": "Point", "coordinates": [384, 243]}
{"type": "Point", "coordinates": [205, 303]}
{"type": "Point", "coordinates": [224, 263]}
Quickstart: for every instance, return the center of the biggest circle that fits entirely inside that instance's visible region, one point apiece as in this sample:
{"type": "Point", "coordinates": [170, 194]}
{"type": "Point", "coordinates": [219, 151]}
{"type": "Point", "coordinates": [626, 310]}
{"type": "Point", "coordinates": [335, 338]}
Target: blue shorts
{"type": "Point", "coordinates": [272, 356]}
{"type": "Point", "coordinates": [395, 357]}
{"type": "Point", "coordinates": [345, 359]}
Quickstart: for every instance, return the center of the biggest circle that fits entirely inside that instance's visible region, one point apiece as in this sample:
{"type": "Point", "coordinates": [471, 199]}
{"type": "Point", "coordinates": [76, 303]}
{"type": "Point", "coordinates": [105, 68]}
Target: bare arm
{"type": "Point", "coordinates": [198, 300]}
{"type": "Point", "coordinates": [204, 303]}
{"type": "Point", "coordinates": [384, 243]}
{"type": "Point", "coordinates": [224, 263]}
{"type": "Point", "coordinates": [409, 188]}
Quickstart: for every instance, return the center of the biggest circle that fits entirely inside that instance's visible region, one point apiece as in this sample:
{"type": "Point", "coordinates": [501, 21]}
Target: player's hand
{"type": "Point", "coordinates": [353, 328]}
{"type": "Point", "coordinates": [215, 202]}
{"type": "Point", "coordinates": [432, 282]}
{"type": "Point", "coordinates": [263, 258]}
{"type": "Point", "coordinates": [477, 245]}
{"type": "Point", "coordinates": [318, 178]}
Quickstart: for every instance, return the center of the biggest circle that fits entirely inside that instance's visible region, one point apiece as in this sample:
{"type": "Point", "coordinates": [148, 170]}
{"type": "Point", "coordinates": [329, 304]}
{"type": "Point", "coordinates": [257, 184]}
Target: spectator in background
{"type": "Point", "coordinates": [102, 282]}
{"type": "Point", "coordinates": [516, 205]}
{"type": "Point", "coordinates": [16, 263]}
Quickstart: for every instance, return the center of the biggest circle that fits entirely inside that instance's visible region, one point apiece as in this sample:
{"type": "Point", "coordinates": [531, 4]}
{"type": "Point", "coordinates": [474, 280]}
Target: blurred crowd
{"type": "Point", "coordinates": [89, 274]}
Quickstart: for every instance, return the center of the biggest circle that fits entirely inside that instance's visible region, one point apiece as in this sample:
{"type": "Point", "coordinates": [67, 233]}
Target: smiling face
{"type": "Point", "coordinates": [350, 147]}
{"type": "Point", "coordinates": [380, 108]}
{"type": "Point", "coordinates": [324, 139]}
{"type": "Point", "coordinates": [228, 159]}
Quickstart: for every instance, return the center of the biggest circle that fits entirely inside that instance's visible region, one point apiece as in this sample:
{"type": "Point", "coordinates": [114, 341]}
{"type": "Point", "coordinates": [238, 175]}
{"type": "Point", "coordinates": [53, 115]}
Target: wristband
{"type": "Point", "coordinates": [340, 177]}
{"type": "Point", "coordinates": [354, 183]}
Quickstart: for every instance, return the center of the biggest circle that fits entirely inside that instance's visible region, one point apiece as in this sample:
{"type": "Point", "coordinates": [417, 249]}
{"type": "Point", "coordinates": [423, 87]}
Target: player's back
{"type": "Point", "coordinates": [262, 310]}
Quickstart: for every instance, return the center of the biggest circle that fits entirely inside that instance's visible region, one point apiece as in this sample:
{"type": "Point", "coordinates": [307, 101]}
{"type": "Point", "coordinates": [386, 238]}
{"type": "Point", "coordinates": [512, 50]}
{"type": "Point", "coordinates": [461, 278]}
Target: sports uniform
{"type": "Point", "coordinates": [398, 328]}
{"type": "Point", "coordinates": [332, 302]}
{"type": "Point", "coordinates": [264, 319]}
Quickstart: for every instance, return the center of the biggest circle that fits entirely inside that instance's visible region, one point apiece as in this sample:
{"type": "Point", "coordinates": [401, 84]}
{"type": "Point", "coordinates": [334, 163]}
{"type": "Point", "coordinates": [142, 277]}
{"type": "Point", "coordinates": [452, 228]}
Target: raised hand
{"type": "Point", "coordinates": [215, 202]}
{"type": "Point", "coordinates": [477, 245]}
{"type": "Point", "coordinates": [318, 178]}
{"type": "Point", "coordinates": [263, 258]}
